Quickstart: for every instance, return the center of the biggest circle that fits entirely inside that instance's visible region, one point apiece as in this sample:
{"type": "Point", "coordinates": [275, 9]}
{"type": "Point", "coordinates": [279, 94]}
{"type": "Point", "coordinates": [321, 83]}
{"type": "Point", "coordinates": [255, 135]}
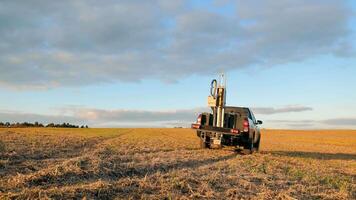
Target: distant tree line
{"type": "Point", "coordinates": [36, 124]}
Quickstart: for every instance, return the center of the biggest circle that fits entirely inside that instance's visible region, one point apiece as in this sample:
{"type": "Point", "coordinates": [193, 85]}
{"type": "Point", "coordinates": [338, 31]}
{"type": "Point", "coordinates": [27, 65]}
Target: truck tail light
{"type": "Point", "coordinates": [196, 126]}
{"type": "Point", "coordinates": [199, 119]}
{"type": "Point", "coordinates": [234, 131]}
{"type": "Point", "coordinates": [246, 125]}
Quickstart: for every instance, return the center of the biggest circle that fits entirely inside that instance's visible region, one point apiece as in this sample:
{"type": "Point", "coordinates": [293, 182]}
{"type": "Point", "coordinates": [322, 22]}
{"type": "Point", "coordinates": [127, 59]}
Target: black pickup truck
{"type": "Point", "coordinates": [240, 129]}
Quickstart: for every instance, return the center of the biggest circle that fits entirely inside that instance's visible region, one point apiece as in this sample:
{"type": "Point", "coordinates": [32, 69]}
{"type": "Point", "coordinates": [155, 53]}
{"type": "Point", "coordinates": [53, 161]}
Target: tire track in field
{"type": "Point", "coordinates": [25, 164]}
{"type": "Point", "coordinates": [104, 164]}
{"type": "Point", "coordinates": [54, 166]}
{"type": "Point", "coordinates": [111, 170]}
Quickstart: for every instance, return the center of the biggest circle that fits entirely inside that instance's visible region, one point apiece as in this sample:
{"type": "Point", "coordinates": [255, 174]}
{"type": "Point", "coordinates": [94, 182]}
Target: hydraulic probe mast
{"type": "Point", "coordinates": [217, 100]}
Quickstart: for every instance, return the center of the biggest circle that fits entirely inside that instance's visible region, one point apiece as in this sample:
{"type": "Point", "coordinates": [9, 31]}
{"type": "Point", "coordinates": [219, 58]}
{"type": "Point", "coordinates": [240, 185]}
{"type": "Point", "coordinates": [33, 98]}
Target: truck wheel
{"type": "Point", "coordinates": [199, 133]}
{"type": "Point", "coordinates": [257, 144]}
{"type": "Point", "coordinates": [249, 146]}
{"type": "Point", "coordinates": [203, 144]}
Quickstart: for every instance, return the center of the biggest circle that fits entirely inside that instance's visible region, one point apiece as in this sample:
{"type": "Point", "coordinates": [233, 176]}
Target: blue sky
{"type": "Point", "coordinates": [117, 64]}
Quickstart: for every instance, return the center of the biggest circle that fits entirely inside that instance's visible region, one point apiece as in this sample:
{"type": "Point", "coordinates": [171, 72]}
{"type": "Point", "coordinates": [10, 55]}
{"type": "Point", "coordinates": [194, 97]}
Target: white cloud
{"type": "Point", "coordinates": [333, 123]}
{"type": "Point", "coordinates": [14, 116]}
{"type": "Point", "coordinates": [169, 118]}
{"type": "Point", "coordinates": [341, 121]}
{"type": "Point", "coordinates": [285, 109]}
{"type": "Point", "coordinates": [121, 117]}
{"type": "Point", "coordinates": [72, 43]}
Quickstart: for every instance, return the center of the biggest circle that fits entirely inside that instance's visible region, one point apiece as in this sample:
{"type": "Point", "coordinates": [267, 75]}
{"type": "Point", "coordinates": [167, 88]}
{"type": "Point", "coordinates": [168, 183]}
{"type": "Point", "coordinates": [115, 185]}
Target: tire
{"type": "Point", "coordinates": [249, 147]}
{"type": "Point", "coordinates": [203, 144]}
{"type": "Point", "coordinates": [257, 144]}
{"type": "Point", "coordinates": [199, 133]}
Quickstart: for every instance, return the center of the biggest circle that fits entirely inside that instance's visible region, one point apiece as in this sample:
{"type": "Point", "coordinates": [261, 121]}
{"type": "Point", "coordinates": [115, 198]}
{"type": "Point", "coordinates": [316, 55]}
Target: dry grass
{"type": "Point", "coordinates": [168, 164]}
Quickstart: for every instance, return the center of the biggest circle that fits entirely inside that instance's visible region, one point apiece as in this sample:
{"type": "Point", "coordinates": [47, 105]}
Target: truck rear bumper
{"type": "Point", "coordinates": [212, 129]}
{"type": "Point", "coordinates": [217, 136]}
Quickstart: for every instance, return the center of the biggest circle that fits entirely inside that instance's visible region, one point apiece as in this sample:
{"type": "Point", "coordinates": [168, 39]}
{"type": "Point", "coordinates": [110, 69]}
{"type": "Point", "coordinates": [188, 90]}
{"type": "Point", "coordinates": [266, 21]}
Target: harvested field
{"type": "Point", "coordinates": [168, 164]}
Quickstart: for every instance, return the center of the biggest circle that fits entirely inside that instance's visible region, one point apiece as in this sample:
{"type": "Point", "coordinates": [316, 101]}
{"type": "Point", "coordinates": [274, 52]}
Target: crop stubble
{"type": "Point", "coordinates": [168, 163]}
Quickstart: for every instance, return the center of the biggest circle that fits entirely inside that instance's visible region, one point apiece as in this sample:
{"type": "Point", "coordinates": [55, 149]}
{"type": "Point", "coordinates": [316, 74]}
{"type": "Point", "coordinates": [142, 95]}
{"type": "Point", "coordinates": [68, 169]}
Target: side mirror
{"type": "Point", "coordinates": [259, 122]}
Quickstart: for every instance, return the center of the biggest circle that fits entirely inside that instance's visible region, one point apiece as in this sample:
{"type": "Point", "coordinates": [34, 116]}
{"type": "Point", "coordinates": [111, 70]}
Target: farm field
{"type": "Point", "coordinates": [168, 164]}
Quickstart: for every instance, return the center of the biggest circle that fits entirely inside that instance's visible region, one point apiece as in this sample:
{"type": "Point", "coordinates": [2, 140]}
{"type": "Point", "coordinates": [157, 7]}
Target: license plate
{"type": "Point", "coordinates": [217, 142]}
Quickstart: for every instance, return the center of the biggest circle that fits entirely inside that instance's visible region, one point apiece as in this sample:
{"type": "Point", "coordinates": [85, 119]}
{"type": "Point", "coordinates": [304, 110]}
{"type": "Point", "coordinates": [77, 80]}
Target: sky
{"type": "Point", "coordinates": [132, 63]}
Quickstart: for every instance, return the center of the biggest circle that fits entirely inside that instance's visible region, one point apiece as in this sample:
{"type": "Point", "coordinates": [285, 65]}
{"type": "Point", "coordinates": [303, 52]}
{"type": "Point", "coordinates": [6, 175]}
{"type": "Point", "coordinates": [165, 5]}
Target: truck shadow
{"type": "Point", "coordinates": [314, 155]}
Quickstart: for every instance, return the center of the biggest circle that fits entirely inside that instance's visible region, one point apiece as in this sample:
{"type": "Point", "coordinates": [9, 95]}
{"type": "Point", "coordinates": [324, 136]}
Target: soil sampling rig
{"type": "Point", "coordinates": [226, 125]}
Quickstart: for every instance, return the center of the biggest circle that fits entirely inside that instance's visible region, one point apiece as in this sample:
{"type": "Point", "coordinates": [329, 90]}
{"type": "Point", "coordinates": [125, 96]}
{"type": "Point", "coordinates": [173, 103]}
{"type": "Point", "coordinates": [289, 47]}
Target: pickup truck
{"type": "Point", "coordinates": [240, 129]}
